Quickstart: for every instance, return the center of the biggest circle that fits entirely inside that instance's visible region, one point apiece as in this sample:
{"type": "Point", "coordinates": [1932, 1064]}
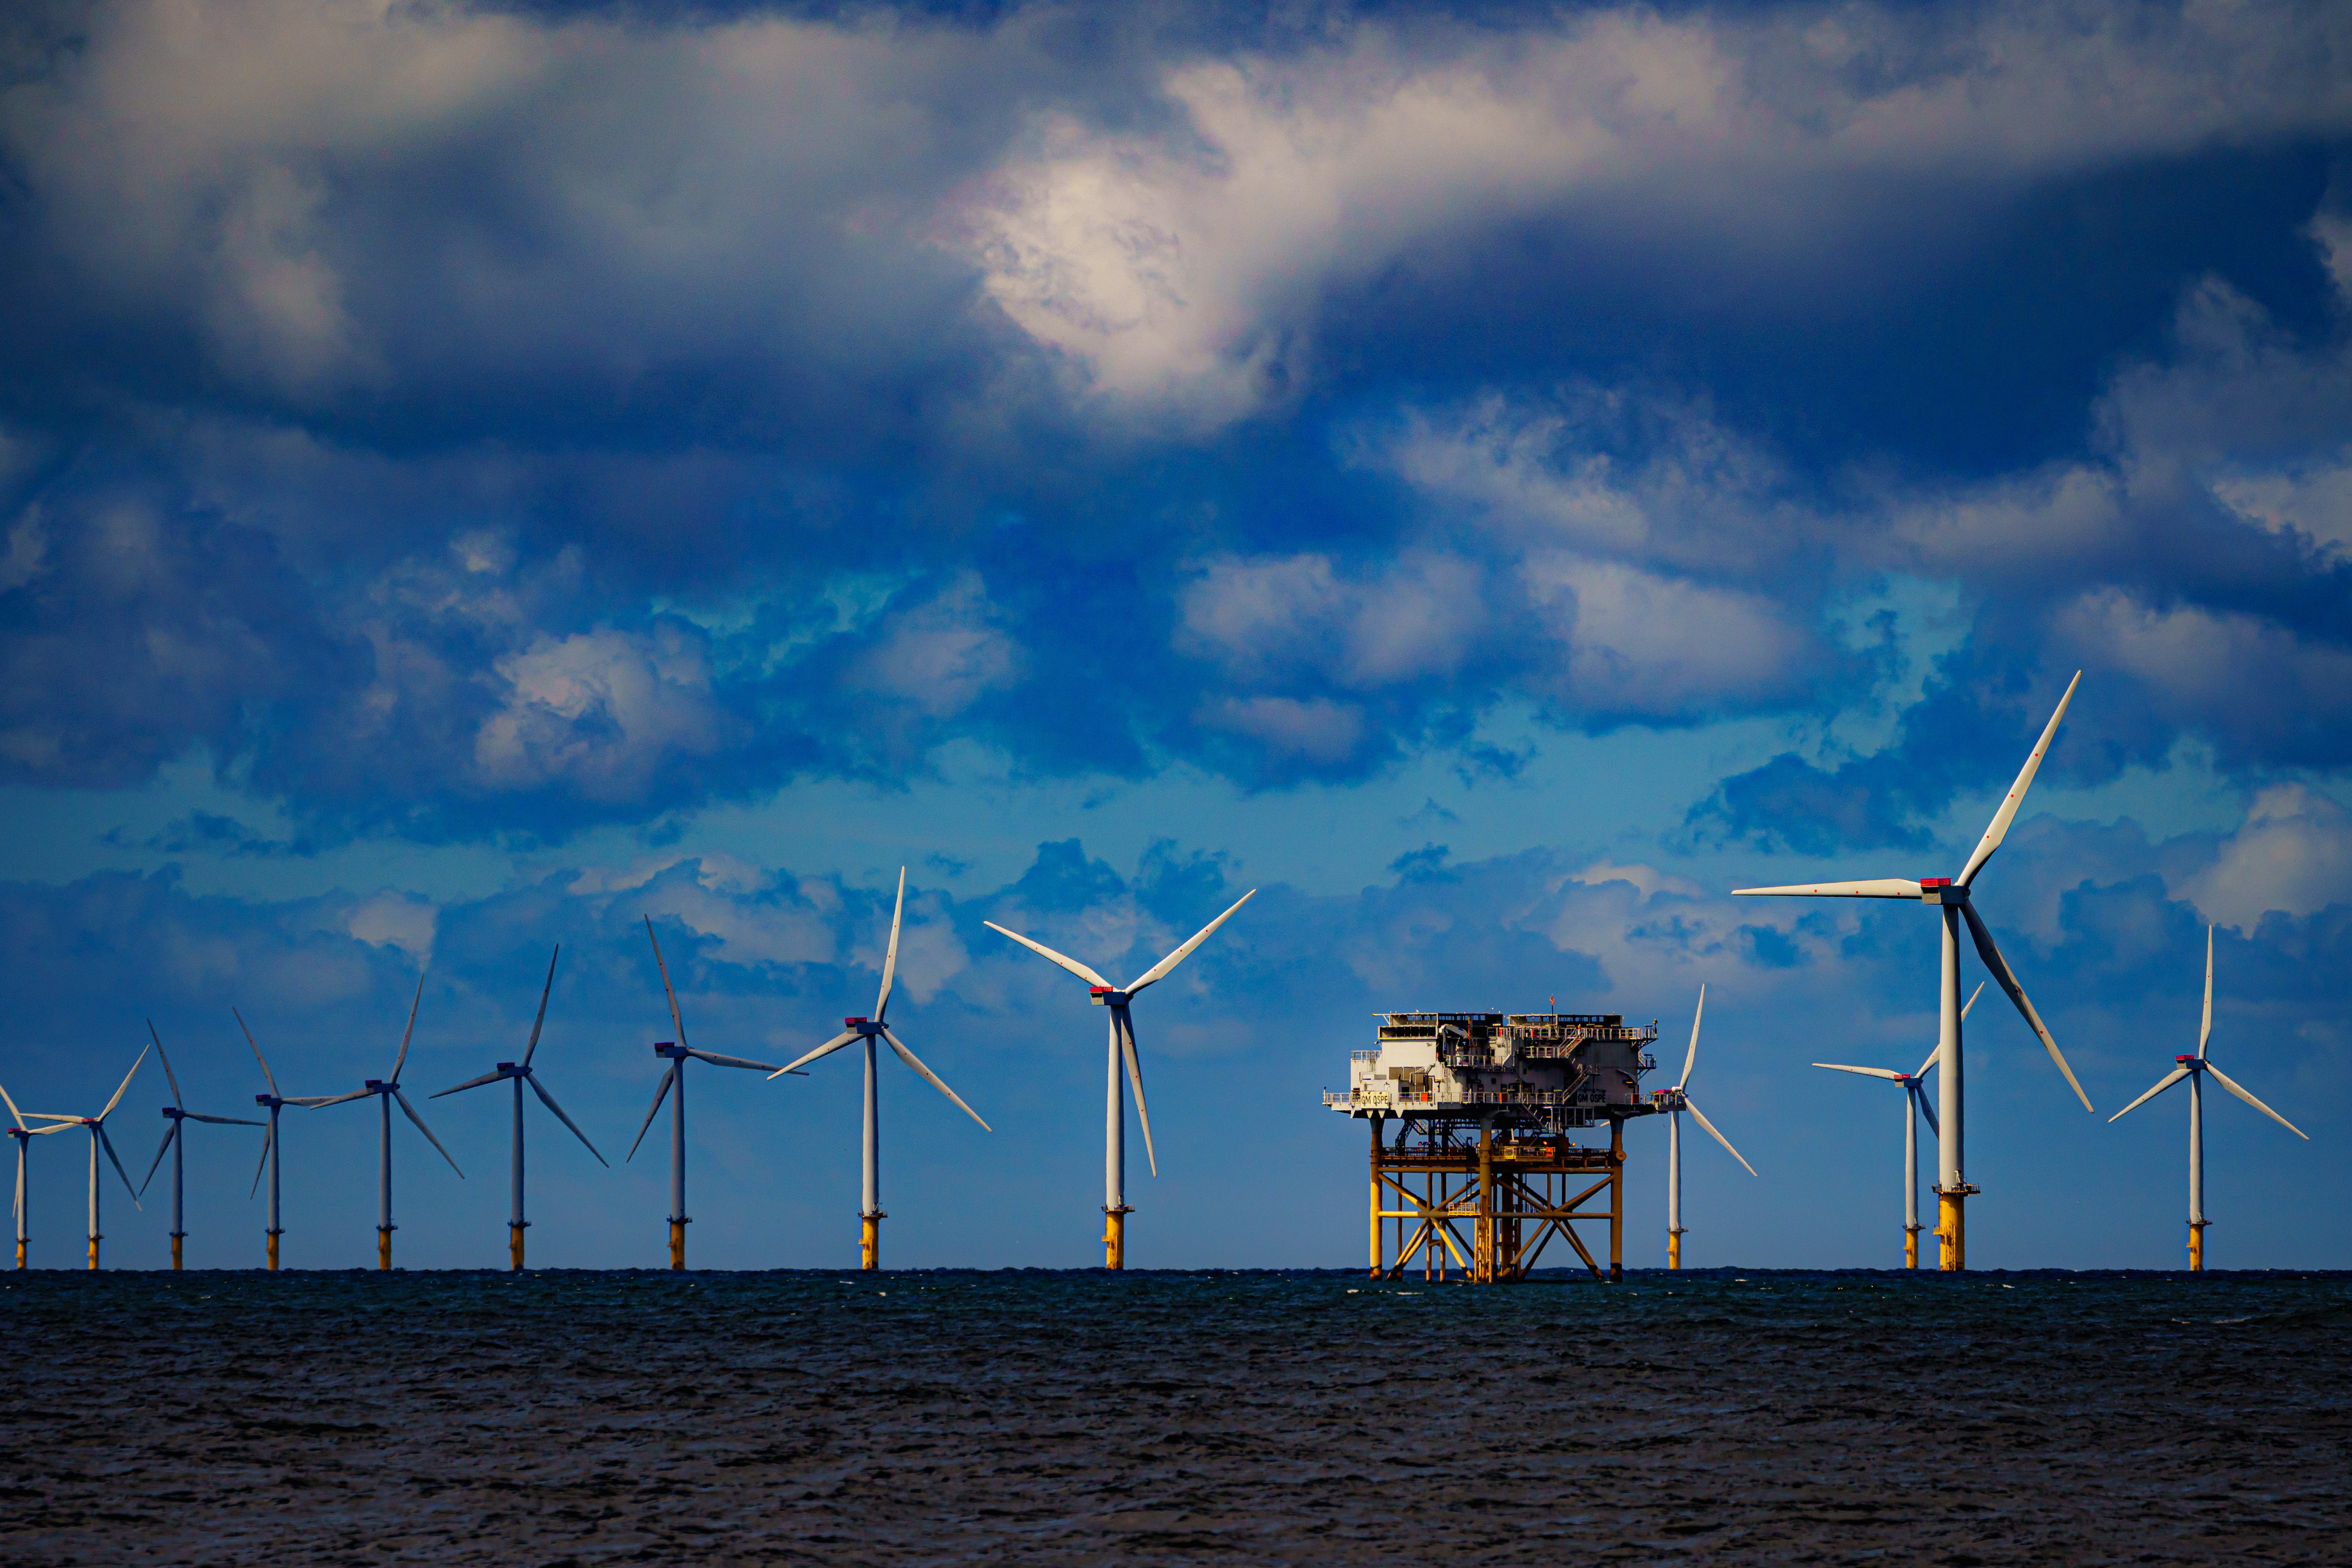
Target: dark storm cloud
{"type": "Point", "coordinates": [533, 419]}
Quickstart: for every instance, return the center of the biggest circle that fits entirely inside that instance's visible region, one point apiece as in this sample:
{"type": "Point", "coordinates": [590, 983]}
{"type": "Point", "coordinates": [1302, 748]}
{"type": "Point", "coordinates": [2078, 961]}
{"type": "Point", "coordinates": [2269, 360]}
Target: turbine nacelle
{"type": "Point", "coordinates": [865, 1028]}
{"type": "Point", "coordinates": [671, 1049]}
{"type": "Point", "coordinates": [1941, 890]}
{"type": "Point", "coordinates": [1107, 997]}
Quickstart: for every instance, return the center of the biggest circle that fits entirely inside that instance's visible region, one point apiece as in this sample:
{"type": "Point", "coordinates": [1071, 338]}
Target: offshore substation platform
{"type": "Point", "coordinates": [1483, 1164]}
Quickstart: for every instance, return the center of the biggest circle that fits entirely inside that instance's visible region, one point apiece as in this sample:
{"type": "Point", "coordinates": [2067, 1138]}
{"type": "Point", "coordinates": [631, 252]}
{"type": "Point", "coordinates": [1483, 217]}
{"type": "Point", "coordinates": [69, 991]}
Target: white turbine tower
{"type": "Point", "coordinates": [520, 1073]}
{"type": "Point", "coordinates": [177, 1142]}
{"type": "Point", "coordinates": [869, 1215]}
{"type": "Point", "coordinates": [24, 1135]}
{"type": "Point", "coordinates": [1676, 1101]}
{"type": "Point", "coordinates": [1950, 895]}
{"type": "Point", "coordinates": [677, 1052]}
{"type": "Point", "coordinates": [1102, 994]}
{"type": "Point", "coordinates": [385, 1091]}
{"type": "Point", "coordinates": [98, 1138]}
{"type": "Point", "coordinates": [2194, 1069]}
{"type": "Point", "coordinates": [1914, 1106]}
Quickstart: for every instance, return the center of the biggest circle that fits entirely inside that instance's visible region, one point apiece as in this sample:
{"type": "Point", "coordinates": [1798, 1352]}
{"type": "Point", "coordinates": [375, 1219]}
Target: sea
{"type": "Point", "coordinates": [1021, 1416]}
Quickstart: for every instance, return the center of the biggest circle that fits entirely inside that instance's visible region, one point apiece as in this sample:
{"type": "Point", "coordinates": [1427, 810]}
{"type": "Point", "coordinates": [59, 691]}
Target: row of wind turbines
{"type": "Point", "coordinates": [1125, 1064]}
{"type": "Point", "coordinates": [1946, 1120]}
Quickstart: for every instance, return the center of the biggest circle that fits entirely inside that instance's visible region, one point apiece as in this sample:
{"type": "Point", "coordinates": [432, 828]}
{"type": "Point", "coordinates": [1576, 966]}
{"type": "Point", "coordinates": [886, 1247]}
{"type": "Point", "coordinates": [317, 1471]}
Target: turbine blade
{"type": "Point", "coordinates": [1874, 888]}
{"type": "Point", "coordinates": [1867, 1072]}
{"type": "Point", "coordinates": [160, 1149]}
{"type": "Point", "coordinates": [124, 1089]}
{"type": "Point", "coordinates": [2205, 1029]}
{"type": "Point", "coordinates": [2167, 1081]}
{"type": "Point", "coordinates": [1934, 1054]}
{"type": "Point", "coordinates": [264, 1165]}
{"type": "Point", "coordinates": [660, 1095]}
{"type": "Point", "coordinates": [676, 1019]}
{"type": "Point", "coordinates": [13, 1111]}
{"type": "Point", "coordinates": [1690, 1057]}
{"type": "Point", "coordinates": [426, 1131]}
{"type": "Point", "coordinates": [257, 1052]}
{"type": "Point", "coordinates": [402, 1060]}
{"type": "Point", "coordinates": [1072, 965]}
{"type": "Point", "coordinates": [544, 991]}
{"type": "Point", "coordinates": [933, 1079]}
{"type": "Point", "coordinates": [715, 1059]}
{"type": "Point", "coordinates": [1970, 1001]}
{"type": "Point", "coordinates": [491, 1076]}
{"type": "Point", "coordinates": [1999, 829]}
{"type": "Point", "coordinates": [173, 1079]}
{"type": "Point", "coordinates": [890, 959]}
{"type": "Point", "coordinates": [823, 1050]}
{"type": "Point", "coordinates": [2007, 981]}
{"type": "Point", "coordinates": [1927, 1109]}
{"type": "Point", "coordinates": [1159, 971]}
{"type": "Point", "coordinates": [225, 1121]}
{"type": "Point", "coordinates": [1135, 1078]}
{"type": "Point", "coordinates": [1700, 1116]}
{"type": "Point", "coordinates": [108, 1144]}
{"type": "Point", "coordinates": [2231, 1084]}
{"type": "Point", "coordinates": [313, 1102]}
{"type": "Point", "coordinates": [548, 1100]}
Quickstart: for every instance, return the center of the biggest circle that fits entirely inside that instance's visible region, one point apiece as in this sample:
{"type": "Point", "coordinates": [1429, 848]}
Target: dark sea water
{"type": "Point", "coordinates": [1052, 1417]}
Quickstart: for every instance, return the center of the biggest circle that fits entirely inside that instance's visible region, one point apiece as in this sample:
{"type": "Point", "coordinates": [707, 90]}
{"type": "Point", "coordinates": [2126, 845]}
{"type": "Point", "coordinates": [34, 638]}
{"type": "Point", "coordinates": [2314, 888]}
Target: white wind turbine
{"type": "Point", "coordinates": [176, 1143]}
{"type": "Point", "coordinates": [24, 1135]}
{"type": "Point", "coordinates": [2194, 1069]}
{"type": "Point", "coordinates": [520, 1073]}
{"type": "Point", "coordinates": [272, 1144]}
{"type": "Point", "coordinates": [1677, 1101]}
{"type": "Point", "coordinates": [869, 1214]}
{"type": "Point", "coordinates": [385, 1091]}
{"type": "Point", "coordinates": [1102, 994]}
{"type": "Point", "coordinates": [677, 1051]}
{"type": "Point", "coordinates": [1950, 895]}
{"type": "Point", "coordinates": [1914, 1106]}
{"type": "Point", "coordinates": [98, 1137]}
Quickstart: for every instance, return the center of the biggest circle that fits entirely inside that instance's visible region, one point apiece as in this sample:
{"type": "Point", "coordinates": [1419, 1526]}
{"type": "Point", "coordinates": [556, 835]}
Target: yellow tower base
{"type": "Point", "coordinates": [1910, 1246]}
{"type": "Point", "coordinates": [20, 1252]}
{"type": "Point", "coordinates": [869, 1240]}
{"type": "Point", "coordinates": [514, 1246]}
{"type": "Point", "coordinates": [1952, 1227]}
{"type": "Point", "coordinates": [175, 1252]}
{"type": "Point", "coordinates": [1674, 1249]}
{"type": "Point", "coordinates": [2197, 1246]}
{"type": "Point", "coordinates": [383, 1248]}
{"type": "Point", "coordinates": [677, 1244]}
{"type": "Point", "coordinates": [93, 1250]}
{"type": "Point", "coordinates": [1115, 1237]}
{"type": "Point", "coordinates": [273, 1251]}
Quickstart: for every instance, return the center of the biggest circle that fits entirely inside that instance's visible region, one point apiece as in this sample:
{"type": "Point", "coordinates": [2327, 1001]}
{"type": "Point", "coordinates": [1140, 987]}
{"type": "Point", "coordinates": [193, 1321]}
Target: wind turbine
{"type": "Point", "coordinates": [97, 1125]}
{"type": "Point", "coordinates": [870, 1216]}
{"type": "Point", "coordinates": [174, 1141]}
{"type": "Point", "coordinates": [2194, 1069]}
{"type": "Point", "coordinates": [1677, 1101]}
{"type": "Point", "coordinates": [677, 1051]}
{"type": "Point", "coordinates": [385, 1091]}
{"type": "Point", "coordinates": [273, 1103]}
{"type": "Point", "coordinates": [520, 1073]}
{"type": "Point", "coordinates": [1950, 896]}
{"type": "Point", "coordinates": [24, 1136]}
{"type": "Point", "coordinates": [1914, 1105]}
{"type": "Point", "coordinates": [1102, 994]}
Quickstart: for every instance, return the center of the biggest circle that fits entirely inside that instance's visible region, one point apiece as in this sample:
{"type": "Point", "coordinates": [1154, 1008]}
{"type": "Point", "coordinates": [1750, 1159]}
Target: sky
{"type": "Point", "coordinates": [1493, 480]}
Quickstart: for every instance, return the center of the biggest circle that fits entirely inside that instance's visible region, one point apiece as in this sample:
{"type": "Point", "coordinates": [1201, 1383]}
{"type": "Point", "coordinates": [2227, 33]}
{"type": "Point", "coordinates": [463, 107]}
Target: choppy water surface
{"type": "Point", "coordinates": [587, 1418]}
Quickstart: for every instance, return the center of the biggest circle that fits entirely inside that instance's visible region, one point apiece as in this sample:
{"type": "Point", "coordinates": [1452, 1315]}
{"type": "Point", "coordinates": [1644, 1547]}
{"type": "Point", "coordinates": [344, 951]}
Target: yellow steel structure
{"type": "Point", "coordinates": [1488, 1206]}
{"type": "Point", "coordinates": [514, 1246]}
{"type": "Point", "coordinates": [93, 1250]}
{"type": "Point", "coordinates": [384, 1247]}
{"type": "Point", "coordinates": [869, 1240]}
{"type": "Point", "coordinates": [1115, 1236]}
{"type": "Point", "coordinates": [273, 1250]}
{"type": "Point", "coordinates": [1952, 1228]}
{"type": "Point", "coordinates": [677, 1244]}
{"type": "Point", "coordinates": [2197, 1245]}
